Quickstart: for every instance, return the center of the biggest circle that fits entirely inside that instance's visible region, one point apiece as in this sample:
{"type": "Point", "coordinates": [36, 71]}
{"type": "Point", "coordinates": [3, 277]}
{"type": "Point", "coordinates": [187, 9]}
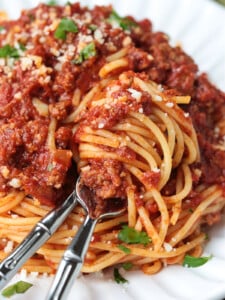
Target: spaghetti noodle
{"type": "Point", "coordinates": [109, 94]}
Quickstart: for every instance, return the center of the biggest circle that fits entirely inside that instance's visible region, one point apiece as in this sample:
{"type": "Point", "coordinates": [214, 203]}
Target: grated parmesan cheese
{"type": "Point", "coordinates": [158, 98]}
{"type": "Point", "coordinates": [167, 247]}
{"type": "Point", "coordinates": [9, 247]}
{"type": "Point", "coordinates": [15, 182]}
{"type": "Point", "coordinates": [135, 94]}
{"type": "Point", "coordinates": [169, 104]}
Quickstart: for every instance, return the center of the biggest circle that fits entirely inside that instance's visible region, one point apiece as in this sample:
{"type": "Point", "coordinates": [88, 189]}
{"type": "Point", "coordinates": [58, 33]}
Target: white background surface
{"type": "Point", "coordinates": [199, 26]}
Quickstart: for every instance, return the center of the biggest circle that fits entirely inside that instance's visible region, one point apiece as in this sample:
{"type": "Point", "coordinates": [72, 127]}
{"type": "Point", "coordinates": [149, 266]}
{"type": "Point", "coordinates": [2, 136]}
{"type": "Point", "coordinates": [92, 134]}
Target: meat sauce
{"type": "Point", "coordinates": [45, 67]}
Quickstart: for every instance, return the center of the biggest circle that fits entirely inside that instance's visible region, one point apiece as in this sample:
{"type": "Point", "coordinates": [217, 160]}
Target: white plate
{"type": "Point", "coordinates": [199, 26]}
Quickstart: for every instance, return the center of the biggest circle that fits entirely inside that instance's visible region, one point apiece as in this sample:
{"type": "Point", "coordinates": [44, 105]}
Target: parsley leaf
{"type": "Point", "coordinates": [131, 236]}
{"type": "Point", "coordinates": [66, 25]}
{"type": "Point", "coordinates": [124, 23]}
{"type": "Point", "coordinates": [194, 262]}
{"type": "Point", "coordinates": [127, 266]}
{"type": "Point", "coordinates": [118, 277]}
{"type": "Point", "coordinates": [92, 27]}
{"type": "Point", "coordinates": [9, 51]}
{"type": "Point", "coordinates": [52, 3]}
{"type": "Point", "coordinates": [22, 47]}
{"type": "Point", "coordinates": [19, 287]}
{"type": "Point", "coordinates": [124, 249]}
{"type": "Point", "coordinates": [86, 53]}
{"type": "Point", "coordinates": [2, 28]}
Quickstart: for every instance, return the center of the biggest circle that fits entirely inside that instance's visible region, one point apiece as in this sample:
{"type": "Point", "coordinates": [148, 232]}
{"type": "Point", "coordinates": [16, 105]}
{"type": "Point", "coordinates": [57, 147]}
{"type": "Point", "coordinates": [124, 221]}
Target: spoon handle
{"type": "Point", "coordinates": [41, 232]}
{"type": "Point", "coordinates": [72, 261]}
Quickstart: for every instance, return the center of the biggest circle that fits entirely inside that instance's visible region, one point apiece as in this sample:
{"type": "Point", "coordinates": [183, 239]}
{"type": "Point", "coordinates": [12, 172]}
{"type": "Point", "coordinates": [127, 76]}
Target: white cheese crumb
{"type": "Point", "coordinates": [126, 41]}
{"type": "Point", "coordinates": [99, 36]}
{"type": "Point", "coordinates": [101, 125]}
{"type": "Point", "coordinates": [158, 98]}
{"type": "Point", "coordinates": [169, 104]}
{"type": "Point", "coordinates": [2, 62]}
{"type": "Point", "coordinates": [167, 247]}
{"type": "Point", "coordinates": [18, 95]}
{"type": "Point", "coordinates": [156, 170]}
{"type": "Point", "coordinates": [26, 63]}
{"type": "Point", "coordinates": [9, 247]}
{"type": "Point", "coordinates": [141, 110]}
{"type": "Point", "coordinates": [135, 94]}
{"type": "Point", "coordinates": [186, 115]}
{"type": "Point", "coordinates": [15, 182]}
{"type": "Point", "coordinates": [14, 216]}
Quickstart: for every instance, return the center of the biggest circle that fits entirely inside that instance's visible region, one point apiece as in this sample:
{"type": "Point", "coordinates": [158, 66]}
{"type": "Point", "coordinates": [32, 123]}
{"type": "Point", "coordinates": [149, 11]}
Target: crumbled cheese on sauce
{"type": "Point", "coordinates": [15, 182]}
{"type": "Point", "coordinates": [135, 94]}
{"type": "Point", "coordinates": [98, 35]}
{"type": "Point", "coordinates": [26, 63]}
{"type": "Point", "coordinates": [101, 125]}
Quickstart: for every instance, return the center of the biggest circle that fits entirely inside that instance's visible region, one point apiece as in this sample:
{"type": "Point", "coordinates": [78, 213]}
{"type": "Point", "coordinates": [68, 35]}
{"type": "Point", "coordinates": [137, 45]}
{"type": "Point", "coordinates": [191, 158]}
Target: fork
{"type": "Point", "coordinates": [41, 232]}
{"type": "Point", "coordinates": [73, 258]}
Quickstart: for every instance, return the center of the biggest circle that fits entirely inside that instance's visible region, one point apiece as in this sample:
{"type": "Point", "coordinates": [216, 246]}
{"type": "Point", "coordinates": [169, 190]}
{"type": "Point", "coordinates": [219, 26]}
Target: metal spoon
{"type": "Point", "coordinates": [73, 257]}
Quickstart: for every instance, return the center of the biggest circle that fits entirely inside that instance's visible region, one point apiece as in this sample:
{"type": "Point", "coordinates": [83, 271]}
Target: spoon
{"type": "Point", "coordinates": [73, 258]}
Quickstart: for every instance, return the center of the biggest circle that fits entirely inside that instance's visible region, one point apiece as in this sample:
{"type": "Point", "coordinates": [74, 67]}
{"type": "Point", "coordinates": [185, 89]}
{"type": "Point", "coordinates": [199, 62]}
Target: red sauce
{"type": "Point", "coordinates": [46, 70]}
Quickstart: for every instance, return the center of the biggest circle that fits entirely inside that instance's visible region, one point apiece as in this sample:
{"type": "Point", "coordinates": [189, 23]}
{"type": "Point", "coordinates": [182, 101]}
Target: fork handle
{"type": "Point", "coordinates": [72, 261]}
{"type": "Point", "coordinates": [41, 232]}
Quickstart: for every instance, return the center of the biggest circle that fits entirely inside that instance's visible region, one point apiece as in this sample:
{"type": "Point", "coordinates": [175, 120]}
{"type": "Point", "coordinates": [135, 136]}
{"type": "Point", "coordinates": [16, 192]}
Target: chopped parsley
{"type": "Point", "coordinates": [127, 266]}
{"type": "Point", "coordinates": [124, 23]}
{"type": "Point", "coordinates": [124, 249]}
{"type": "Point", "coordinates": [66, 25]}
{"type": "Point", "coordinates": [22, 47]}
{"type": "Point", "coordinates": [86, 53]}
{"type": "Point", "coordinates": [52, 3]}
{"type": "Point", "coordinates": [118, 277]}
{"type": "Point", "coordinates": [131, 236]}
{"type": "Point", "coordinates": [194, 262]}
{"type": "Point", "coordinates": [19, 287]}
{"type": "Point", "coordinates": [2, 28]}
{"type": "Point", "coordinates": [92, 27]}
{"type": "Point", "coordinates": [9, 51]}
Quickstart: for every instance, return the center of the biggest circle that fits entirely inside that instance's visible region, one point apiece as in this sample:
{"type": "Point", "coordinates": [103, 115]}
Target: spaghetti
{"type": "Point", "coordinates": [115, 98]}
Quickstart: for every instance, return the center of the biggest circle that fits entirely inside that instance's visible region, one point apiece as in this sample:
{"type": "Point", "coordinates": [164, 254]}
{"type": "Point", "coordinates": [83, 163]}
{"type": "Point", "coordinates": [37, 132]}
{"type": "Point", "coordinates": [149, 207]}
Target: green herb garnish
{"type": "Point", "coordinates": [19, 287]}
{"type": "Point", "coordinates": [66, 25]}
{"type": "Point", "coordinates": [118, 277]}
{"type": "Point", "coordinates": [86, 53]}
{"type": "Point", "coordinates": [124, 23]}
{"type": "Point", "coordinates": [22, 47]}
{"type": "Point", "coordinates": [221, 2]}
{"type": "Point", "coordinates": [1, 28]}
{"type": "Point", "coordinates": [194, 262]}
{"type": "Point", "coordinates": [124, 249]}
{"type": "Point", "coordinates": [9, 51]}
{"type": "Point", "coordinates": [92, 27]}
{"type": "Point", "coordinates": [52, 3]}
{"type": "Point", "coordinates": [31, 17]}
{"type": "Point", "coordinates": [131, 236]}
{"type": "Point", "coordinates": [127, 266]}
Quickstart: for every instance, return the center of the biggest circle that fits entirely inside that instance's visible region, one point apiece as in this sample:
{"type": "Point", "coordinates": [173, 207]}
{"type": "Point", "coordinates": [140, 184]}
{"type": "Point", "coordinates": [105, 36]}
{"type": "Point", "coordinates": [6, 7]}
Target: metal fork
{"type": "Point", "coordinates": [41, 232]}
{"type": "Point", "coordinates": [73, 257]}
